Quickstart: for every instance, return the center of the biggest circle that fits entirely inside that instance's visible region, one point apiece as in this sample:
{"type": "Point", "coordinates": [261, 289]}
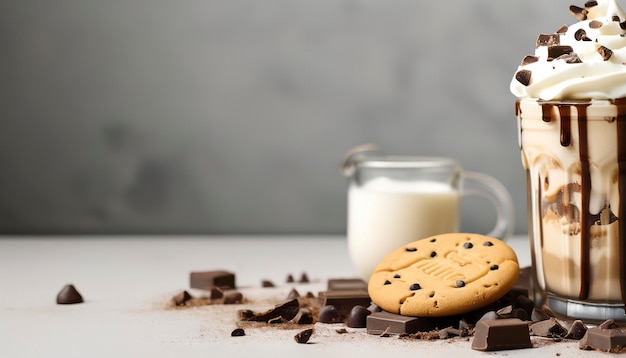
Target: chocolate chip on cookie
{"type": "Point", "coordinates": [444, 275]}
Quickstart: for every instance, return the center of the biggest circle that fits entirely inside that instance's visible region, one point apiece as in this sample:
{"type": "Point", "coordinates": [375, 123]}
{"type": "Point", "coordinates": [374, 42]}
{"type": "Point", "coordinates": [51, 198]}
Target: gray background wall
{"type": "Point", "coordinates": [231, 116]}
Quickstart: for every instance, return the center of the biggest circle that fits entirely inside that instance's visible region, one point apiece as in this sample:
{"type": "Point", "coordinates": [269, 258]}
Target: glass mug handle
{"type": "Point", "coordinates": [488, 187]}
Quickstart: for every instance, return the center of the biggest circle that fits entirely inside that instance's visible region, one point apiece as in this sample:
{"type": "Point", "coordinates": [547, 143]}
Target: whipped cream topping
{"type": "Point", "coordinates": [586, 60]}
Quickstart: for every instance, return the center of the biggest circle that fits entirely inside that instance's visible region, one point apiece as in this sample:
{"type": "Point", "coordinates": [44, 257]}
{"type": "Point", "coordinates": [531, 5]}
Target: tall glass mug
{"type": "Point", "coordinates": [574, 153]}
{"type": "Point", "coordinates": [393, 201]}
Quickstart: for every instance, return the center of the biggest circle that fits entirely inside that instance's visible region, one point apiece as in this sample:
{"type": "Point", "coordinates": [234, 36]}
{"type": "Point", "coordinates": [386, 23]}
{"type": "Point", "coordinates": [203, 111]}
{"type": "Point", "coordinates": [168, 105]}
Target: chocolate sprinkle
{"type": "Point", "coordinates": [578, 12]}
{"type": "Point", "coordinates": [605, 52]}
{"type": "Point", "coordinates": [523, 77]}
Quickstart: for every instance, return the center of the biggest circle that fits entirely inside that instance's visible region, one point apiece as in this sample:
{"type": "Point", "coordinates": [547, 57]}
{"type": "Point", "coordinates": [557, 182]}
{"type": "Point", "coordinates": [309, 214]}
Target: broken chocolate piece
{"type": "Point", "coordinates": [358, 317]}
{"type": "Point", "coordinates": [523, 77]}
{"type": "Point", "coordinates": [549, 328]}
{"type": "Point", "coordinates": [611, 339]}
{"type": "Point", "coordinates": [69, 295]}
{"type": "Point", "coordinates": [605, 52]}
{"type": "Point", "coordinates": [304, 336]}
{"type": "Point", "coordinates": [591, 3]}
{"type": "Point", "coordinates": [577, 330]}
{"type": "Point", "coordinates": [346, 284]}
{"type": "Point", "coordinates": [578, 12]}
{"type": "Point", "coordinates": [206, 280]}
{"type": "Point", "coordinates": [293, 294]}
{"type": "Point", "coordinates": [290, 278]}
{"type": "Point", "coordinates": [383, 322]}
{"type": "Point", "coordinates": [238, 332]}
{"type": "Point", "coordinates": [304, 278]}
{"type": "Point", "coordinates": [501, 334]}
{"type": "Point", "coordinates": [581, 35]}
{"type": "Point", "coordinates": [556, 51]}
{"type": "Point", "coordinates": [527, 60]}
{"type": "Point", "coordinates": [181, 298]}
{"type": "Point", "coordinates": [548, 40]}
{"type": "Point", "coordinates": [234, 297]}
{"type": "Point", "coordinates": [345, 300]}
{"type": "Point", "coordinates": [328, 314]}
{"type": "Point", "coordinates": [595, 24]}
{"type": "Point", "coordinates": [267, 283]}
{"type": "Point", "coordinates": [287, 310]}
{"type": "Point", "coordinates": [304, 316]}
{"type": "Point", "coordinates": [539, 314]}
{"type": "Point", "coordinates": [216, 293]}
{"type": "Point", "coordinates": [562, 29]}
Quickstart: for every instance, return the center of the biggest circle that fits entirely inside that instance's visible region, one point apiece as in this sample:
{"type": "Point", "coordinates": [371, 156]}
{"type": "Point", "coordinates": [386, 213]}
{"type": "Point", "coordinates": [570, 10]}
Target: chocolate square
{"type": "Point", "coordinates": [206, 280]}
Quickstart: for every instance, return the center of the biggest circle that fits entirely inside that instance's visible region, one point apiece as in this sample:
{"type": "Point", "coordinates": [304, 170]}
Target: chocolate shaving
{"type": "Point", "coordinates": [578, 12]}
{"type": "Point", "coordinates": [556, 51]}
{"type": "Point", "coordinates": [523, 77]}
{"type": "Point", "coordinates": [547, 40]}
{"type": "Point", "coordinates": [287, 311]}
{"type": "Point", "coordinates": [562, 29]}
{"type": "Point", "coordinates": [595, 24]}
{"type": "Point", "coordinates": [581, 35]}
{"type": "Point", "coordinates": [605, 53]}
{"type": "Point", "coordinates": [527, 60]}
{"type": "Point", "coordinates": [570, 58]}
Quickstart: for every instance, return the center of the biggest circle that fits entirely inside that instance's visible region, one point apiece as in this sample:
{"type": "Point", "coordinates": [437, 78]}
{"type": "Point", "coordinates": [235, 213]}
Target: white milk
{"type": "Point", "coordinates": [384, 215]}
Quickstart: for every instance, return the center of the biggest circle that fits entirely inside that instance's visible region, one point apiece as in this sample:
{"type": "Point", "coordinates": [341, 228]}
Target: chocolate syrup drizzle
{"type": "Point", "coordinates": [564, 109]}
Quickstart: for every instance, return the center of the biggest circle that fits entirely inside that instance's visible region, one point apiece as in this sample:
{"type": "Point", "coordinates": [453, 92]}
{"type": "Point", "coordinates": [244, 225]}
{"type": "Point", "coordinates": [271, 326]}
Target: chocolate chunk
{"type": "Point", "coordinates": [501, 334]}
{"type": "Point", "coordinates": [611, 339]}
{"type": "Point", "coordinates": [562, 29]}
{"type": "Point", "coordinates": [577, 330]}
{"type": "Point", "coordinates": [206, 280]}
{"type": "Point", "coordinates": [539, 314]}
{"type": "Point", "coordinates": [570, 58]}
{"type": "Point", "coordinates": [581, 35]}
{"type": "Point", "coordinates": [605, 52]}
{"type": "Point", "coordinates": [608, 324]}
{"type": "Point", "coordinates": [346, 284]}
{"type": "Point", "coordinates": [468, 245]}
{"type": "Point", "coordinates": [267, 283]}
{"type": "Point", "coordinates": [216, 293]}
{"type": "Point", "coordinates": [304, 316]}
{"type": "Point", "coordinates": [388, 323]}
{"type": "Point", "coordinates": [304, 336]}
{"type": "Point", "coordinates": [548, 40]}
{"type": "Point", "coordinates": [233, 297]}
{"type": "Point", "coordinates": [622, 25]}
{"type": "Point", "coordinates": [345, 300]}
{"type": "Point", "coordinates": [595, 24]}
{"type": "Point", "coordinates": [524, 303]}
{"type": "Point", "coordinates": [290, 278]}
{"type": "Point", "coordinates": [181, 298]}
{"type": "Point", "coordinates": [304, 278]}
{"type": "Point", "coordinates": [287, 310]}
{"type": "Point", "coordinates": [293, 294]}
{"type": "Point", "coordinates": [358, 317]}
{"type": "Point", "coordinates": [523, 77]}
{"type": "Point", "coordinates": [69, 295]}
{"type": "Point", "coordinates": [238, 332]}
{"type": "Point", "coordinates": [549, 328]}
{"type": "Point", "coordinates": [591, 3]}
{"type": "Point", "coordinates": [328, 314]}
{"type": "Point", "coordinates": [578, 12]}
{"type": "Point", "coordinates": [556, 51]}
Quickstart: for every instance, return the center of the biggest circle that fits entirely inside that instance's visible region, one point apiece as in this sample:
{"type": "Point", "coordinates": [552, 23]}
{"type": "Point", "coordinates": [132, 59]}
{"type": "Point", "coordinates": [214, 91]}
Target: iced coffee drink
{"type": "Point", "coordinates": [571, 112]}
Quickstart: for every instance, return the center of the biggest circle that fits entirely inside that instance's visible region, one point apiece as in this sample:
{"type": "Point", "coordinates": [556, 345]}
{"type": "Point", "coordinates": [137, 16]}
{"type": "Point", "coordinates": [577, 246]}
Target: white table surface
{"type": "Point", "coordinates": [127, 281]}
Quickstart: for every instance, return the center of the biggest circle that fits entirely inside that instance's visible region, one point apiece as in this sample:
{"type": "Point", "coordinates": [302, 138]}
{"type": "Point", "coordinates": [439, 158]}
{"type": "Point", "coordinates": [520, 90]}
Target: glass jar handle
{"type": "Point", "coordinates": [486, 186]}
